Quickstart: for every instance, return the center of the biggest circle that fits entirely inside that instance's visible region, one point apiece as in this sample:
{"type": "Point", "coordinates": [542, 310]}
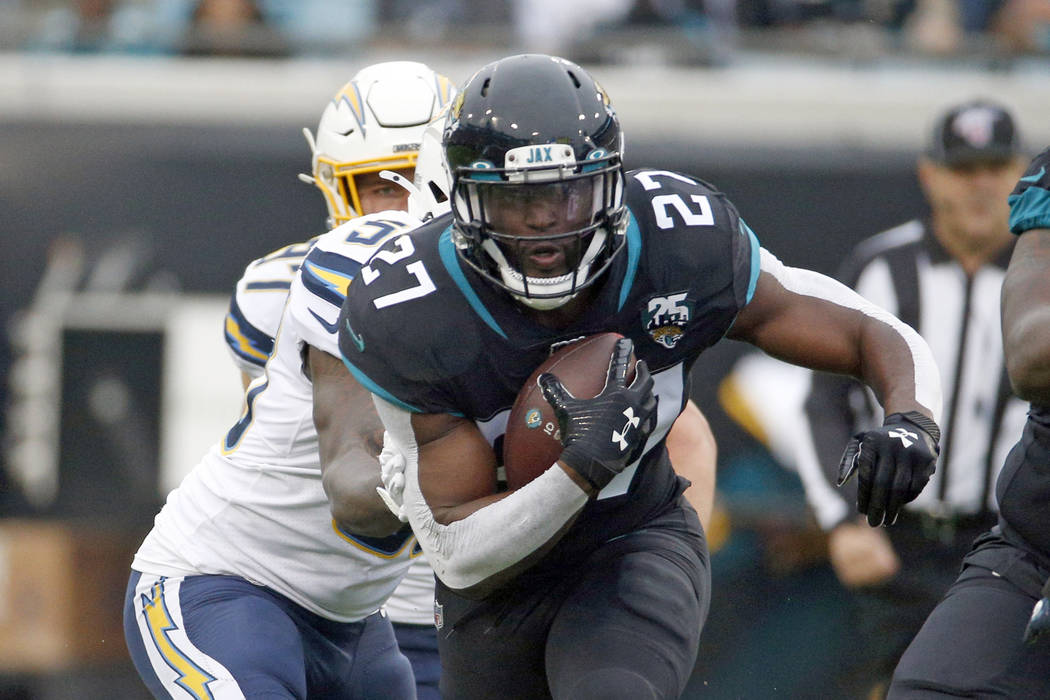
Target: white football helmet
{"type": "Point", "coordinates": [432, 181]}
{"type": "Point", "coordinates": [428, 189]}
{"type": "Point", "coordinates": [374, 123]}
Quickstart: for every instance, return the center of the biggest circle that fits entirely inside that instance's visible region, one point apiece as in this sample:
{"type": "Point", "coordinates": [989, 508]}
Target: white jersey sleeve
{"type": "Point", "coordinates": [255, 505]}
{"type": "Point", "coordinates": [318, 291]}
{"type": "Point", "coordinates": [255, 308]}
{"type": "Point", "coordinates": [314, 304]}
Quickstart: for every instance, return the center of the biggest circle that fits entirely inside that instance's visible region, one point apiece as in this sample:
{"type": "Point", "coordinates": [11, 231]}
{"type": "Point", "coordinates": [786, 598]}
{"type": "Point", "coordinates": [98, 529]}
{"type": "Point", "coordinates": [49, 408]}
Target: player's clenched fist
{"type": "Point", "coordinates": [601, 436]}
{"type": "Point", "coordinates": [893, 464]}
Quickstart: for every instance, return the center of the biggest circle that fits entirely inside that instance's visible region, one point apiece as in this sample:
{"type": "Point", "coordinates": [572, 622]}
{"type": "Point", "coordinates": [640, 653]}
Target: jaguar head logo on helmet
{"type": "Point", "coordinates": [374, 123]}
{"type": "Point", "coordinates": [534, 150]}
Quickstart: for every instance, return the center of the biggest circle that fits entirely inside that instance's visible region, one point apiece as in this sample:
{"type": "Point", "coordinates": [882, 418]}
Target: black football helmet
{"type": "Point", "coordinates": [534, 128]}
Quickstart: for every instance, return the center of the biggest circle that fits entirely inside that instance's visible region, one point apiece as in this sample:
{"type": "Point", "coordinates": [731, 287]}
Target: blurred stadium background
{"type": "Point", "coordinates": [146, 156]}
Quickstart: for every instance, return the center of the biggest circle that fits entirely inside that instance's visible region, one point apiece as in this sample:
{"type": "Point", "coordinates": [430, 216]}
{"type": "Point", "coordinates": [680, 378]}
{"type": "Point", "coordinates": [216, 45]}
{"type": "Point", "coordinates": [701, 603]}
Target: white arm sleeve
{"type": "Point", "coordinates": [467, 552]}
{"type": "Point", "coordinates": [927, 379]}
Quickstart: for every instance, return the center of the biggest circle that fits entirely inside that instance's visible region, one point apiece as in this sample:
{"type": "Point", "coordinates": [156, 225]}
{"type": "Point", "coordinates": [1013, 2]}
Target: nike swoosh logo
{"type": "Point", "coordinates": [330, 327]}
{"type": "Point", "coordinates": [1036, 177]}
{"type": "Point", "coordinates": [358, 340]}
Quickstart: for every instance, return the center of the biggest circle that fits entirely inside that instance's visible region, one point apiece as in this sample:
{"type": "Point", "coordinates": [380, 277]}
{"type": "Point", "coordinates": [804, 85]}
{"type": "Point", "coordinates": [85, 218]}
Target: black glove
{"type": "Point", "coordinates": [1040, 622]}
{"type": "Point", "coordinates": [893, 464]}
{"type": "Point", "coordinates": [601, 436]}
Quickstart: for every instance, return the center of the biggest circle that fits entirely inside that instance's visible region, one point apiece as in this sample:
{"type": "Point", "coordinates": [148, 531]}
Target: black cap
{"type": "Point", "coordinates": [974, 132]}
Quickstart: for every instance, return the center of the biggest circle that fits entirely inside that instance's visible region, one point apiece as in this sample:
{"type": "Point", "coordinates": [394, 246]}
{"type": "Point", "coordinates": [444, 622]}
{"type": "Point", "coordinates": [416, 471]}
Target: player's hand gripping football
{"type": "Point", "coordinates": [893, 464]}
{"type": "Point", "coordinates": [1039, 624]}
{"type": "Point", "coordinates": [392, 474]}
{"type": "Point", "coordinates": [601, 436]}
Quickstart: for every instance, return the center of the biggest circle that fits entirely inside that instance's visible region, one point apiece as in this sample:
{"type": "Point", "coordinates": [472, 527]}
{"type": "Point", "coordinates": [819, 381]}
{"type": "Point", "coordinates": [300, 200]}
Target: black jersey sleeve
{"type": "Point", "coordinates": [695, 237]}
{"type": "Point", "coordinates": [391, 322]}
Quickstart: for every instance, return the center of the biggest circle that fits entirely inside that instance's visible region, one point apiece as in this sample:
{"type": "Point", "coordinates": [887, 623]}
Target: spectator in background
{"type": "Point", "coordinates": [940, 274]}
{"type": "Point", "coordinates": [942, 26]}
{"type": "Point", "coordinates": [629, 31]}
{"type": "Point", "coordinates": [428, 21]}
{"type": "Point", "coordinates": [1023, 26]}
{"type": "Point", "coordinates": [101, 26]}
{"type": "Point", "coordinates": [231, 28]}
{"type": "Point", "coordinates": [83, 26]}
{"type": "Point", "coordinates": [326, 27]}
{"type": "Point", "coordinates": [952, 26]}
{"type": "Point", "coordinates": [551, 26]}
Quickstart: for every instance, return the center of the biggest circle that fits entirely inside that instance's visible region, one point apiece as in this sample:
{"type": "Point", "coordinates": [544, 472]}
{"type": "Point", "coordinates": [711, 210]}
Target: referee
{"type": "Point", "coordinates": [942, 275]}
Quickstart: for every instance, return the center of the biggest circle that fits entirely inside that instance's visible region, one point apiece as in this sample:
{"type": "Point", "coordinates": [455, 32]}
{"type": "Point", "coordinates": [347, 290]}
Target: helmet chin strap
{"type": "Point", "coordinates": [519, 284]}
{"type": "Point", "coordinates": [548, 304]}
{"type": "Point", "coordinates": [303, 177]}
{"type": "Point", "coordinates": [513, 279]}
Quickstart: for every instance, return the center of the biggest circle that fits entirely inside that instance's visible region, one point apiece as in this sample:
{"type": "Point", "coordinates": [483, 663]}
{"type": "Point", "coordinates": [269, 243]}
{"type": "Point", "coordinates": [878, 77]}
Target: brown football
{"type": "Point", "coordinates": [532, 442]}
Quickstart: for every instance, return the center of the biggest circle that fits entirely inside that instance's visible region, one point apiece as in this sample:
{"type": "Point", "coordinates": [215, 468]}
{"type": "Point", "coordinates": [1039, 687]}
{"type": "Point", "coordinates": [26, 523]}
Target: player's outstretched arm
{"type": "Point", "coordinates": [806, 318]}
{"type": "Point", "coordinates": [694, 453]}
{"type": "Point", "coordinates": [1026, 288]}
{"type": "Point", "coordinates": [350, 437]}
{"type": "Point", "coordinates": [1026, 316]}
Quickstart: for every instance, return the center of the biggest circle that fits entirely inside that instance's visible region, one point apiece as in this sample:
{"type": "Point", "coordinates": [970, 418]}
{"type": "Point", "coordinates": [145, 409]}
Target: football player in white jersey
{"type": "Point", "coordinates": [252, 583]}
{"type": "Point", "coordinates": [373, 124]}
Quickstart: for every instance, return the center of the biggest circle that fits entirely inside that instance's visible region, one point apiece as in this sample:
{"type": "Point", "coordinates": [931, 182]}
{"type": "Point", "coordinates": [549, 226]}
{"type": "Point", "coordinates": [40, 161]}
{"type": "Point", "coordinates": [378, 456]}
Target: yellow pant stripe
{"type": "Point", "coordinates": [192, 677]}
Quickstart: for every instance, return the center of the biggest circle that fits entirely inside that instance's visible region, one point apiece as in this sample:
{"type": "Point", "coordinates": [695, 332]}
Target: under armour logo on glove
{"type": "Point", "coordinates": [907, 437]}
{"type": "Point", "coordinates": [893, 464]}
{"type": "Point", "coordinates": [632, 422]}
{"type": "Point", "coordinates": [627, 413]}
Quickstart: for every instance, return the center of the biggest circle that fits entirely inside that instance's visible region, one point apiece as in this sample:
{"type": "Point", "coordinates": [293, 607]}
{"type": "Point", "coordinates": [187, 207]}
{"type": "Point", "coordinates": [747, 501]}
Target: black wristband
{"type": "Point", "coordinates": [920, 421]}
{"type": "Point", "coordinates": [592, 470]}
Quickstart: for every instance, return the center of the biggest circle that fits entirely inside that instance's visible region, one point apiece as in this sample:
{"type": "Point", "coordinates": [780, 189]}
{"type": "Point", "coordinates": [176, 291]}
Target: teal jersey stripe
{"type": "Point", "coordinates": [379, 391]}
{"type": "Point", "coordinates": [634, 252]}
{"type": "Point", "coordinates": [755, 260]}
{"type": "Point", "coordinates": [447, 249]}
{"type": "Point", "coordinates": [1030, 209]}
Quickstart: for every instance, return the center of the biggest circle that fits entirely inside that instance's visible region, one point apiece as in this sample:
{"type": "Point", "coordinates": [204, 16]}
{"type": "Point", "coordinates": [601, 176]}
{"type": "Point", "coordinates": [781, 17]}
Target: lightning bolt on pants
{"type": "Point", "coordinates": [222, 637]}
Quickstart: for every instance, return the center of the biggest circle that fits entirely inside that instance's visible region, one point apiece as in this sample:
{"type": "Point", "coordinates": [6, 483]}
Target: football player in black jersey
{"type": "Point", "coordinates": [987, 637]}
{"type": "Point", "coordinates": [592, 580]}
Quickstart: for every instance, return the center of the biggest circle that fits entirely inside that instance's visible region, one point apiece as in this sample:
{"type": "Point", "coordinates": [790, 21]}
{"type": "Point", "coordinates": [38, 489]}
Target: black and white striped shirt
{"type": "Point", "coordinates": [906, 271]}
